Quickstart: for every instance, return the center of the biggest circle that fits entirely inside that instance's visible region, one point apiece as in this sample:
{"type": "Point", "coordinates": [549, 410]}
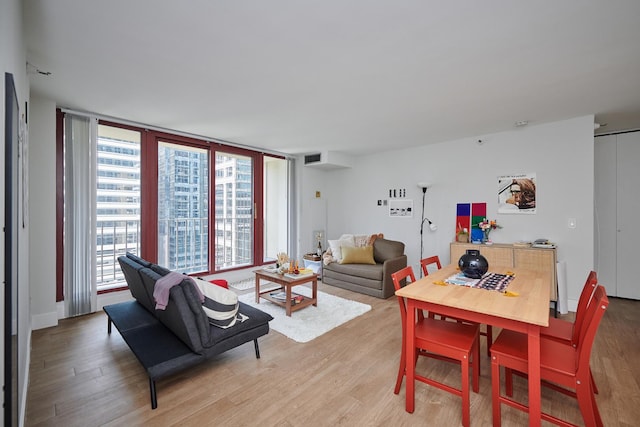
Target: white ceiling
{"type": "Point", "coordinates": [354, 76]}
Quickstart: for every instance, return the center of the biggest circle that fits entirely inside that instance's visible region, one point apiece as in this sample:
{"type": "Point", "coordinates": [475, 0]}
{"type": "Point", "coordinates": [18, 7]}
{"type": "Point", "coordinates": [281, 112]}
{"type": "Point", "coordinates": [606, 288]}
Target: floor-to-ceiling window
{"type": "Point", "coordinates": [234, 214]}
{"type": "Point", "coordinates": [183, 207]}
{"type": "Point", "coordinates": [275, 196]}
{"type": "Point", "coordinates": [117, 201]}
{"type": "Point", "coordinates": [153, 199]}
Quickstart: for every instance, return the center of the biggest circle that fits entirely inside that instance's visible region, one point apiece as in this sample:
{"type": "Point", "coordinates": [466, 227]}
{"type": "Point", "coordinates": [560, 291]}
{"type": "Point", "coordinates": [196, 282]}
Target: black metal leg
{"type": "Point", "coordinates": [108, 325]}
{"type": "Point", "coordinates": [154, 398]}
{"type": "Point", "coordinates": [255, 343]}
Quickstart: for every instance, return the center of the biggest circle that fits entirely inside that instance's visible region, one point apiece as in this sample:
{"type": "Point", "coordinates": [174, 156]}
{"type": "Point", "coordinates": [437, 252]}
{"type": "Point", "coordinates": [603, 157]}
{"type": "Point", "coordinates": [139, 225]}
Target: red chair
{"type": "Point", "coordinates": [435, 338]}
{"type": "Point", "coordinates": [424, 263]}
{"type": "Point", "coordinates": [561, 364]}
{"type": "Point", "coordinates": [567, 332]}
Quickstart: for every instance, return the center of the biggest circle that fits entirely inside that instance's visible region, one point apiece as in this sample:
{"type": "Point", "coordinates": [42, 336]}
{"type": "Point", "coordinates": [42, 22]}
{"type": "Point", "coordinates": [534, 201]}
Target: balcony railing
{"type": "Point", "coordinates": [114, 239]}
{"type": "Point", "coordinates": [183, 245]}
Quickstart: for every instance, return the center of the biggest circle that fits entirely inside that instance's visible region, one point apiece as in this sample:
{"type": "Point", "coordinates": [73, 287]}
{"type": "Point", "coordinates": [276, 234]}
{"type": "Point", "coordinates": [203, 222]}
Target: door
{"type": "Point", "coordinates": [234, 214]}
{"type": "Point", "coordinates": [628, 206]}
{"type": "Point", "coordinates": [605, 217]}
{"type": "Point", "coordinates": [617, 179]}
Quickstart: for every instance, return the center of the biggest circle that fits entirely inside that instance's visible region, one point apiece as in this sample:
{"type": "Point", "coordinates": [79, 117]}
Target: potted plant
{"type": "Point", "coordinates": [462, 235]}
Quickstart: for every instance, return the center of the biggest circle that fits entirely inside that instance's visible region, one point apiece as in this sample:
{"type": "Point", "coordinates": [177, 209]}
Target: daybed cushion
{"type": "Point", "coordinates": [173, 315]}
{"type": "Point", "coordinates": [355, 271]}
{"type": "Point", "coordinates": [211, 335]}
{"type": "Point", "coordinates": [131, 270]}
{"type": "Point", "coordinates": [139, 260]}
{"type": "Point", "coordinates": [361, 255]}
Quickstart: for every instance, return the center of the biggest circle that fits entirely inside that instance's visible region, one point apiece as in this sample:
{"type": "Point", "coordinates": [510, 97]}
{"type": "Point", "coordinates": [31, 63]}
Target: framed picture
{"type": "Point", "coordinates": [401, 208]}
{"type": "Point", "coordinates": [517, 194]}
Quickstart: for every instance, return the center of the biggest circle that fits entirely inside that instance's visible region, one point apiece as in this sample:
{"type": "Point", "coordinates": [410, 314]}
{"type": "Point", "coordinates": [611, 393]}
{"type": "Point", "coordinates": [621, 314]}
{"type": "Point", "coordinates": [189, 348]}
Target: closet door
{"type": "Point", "coordinates": [605, 211]}
{"type": "Point", "coordinates": [628, 207]}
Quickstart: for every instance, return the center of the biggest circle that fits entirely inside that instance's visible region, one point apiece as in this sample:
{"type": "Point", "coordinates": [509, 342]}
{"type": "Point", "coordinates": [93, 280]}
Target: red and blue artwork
{"type": "Point", "coordinates": [469, 215]}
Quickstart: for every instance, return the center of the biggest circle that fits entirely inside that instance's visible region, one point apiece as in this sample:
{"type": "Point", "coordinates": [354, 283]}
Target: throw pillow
{"type": "Point", "coordinates": [337, 245]}
{"type": "Point", "coordinates": [361, 240]}
{"type": "Point", "coordinates": [220, 282]}
{"type": "Point", "coordinates": [220, 304]}
{"type": "Point", "coordinates": [373, 238]}
{"type": "Point", "coordinates": [357, 255]}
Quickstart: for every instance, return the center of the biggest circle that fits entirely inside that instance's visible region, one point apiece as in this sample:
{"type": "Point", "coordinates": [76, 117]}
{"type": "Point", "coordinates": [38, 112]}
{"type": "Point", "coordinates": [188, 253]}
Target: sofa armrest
{"type": "Point", "coordinates": [389, 267]}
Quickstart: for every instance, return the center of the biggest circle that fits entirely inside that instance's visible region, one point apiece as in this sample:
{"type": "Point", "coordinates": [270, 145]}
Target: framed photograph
{"type": "Point", "coordinates": [517, 194]}
{"type": "Point", "coordinates": [401, 208]}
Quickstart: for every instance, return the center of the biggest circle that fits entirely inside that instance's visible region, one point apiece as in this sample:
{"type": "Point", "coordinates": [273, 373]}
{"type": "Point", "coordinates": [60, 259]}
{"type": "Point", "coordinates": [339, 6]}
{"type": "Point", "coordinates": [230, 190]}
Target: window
{"type": "Point", "coordinates": [153, 199]}
{"type": "Point", "coordinates": [183, 200]}
{"type": "Point", "coordinates": [234, 247]}
{"type": "Point", "coordinates": [117, 202]}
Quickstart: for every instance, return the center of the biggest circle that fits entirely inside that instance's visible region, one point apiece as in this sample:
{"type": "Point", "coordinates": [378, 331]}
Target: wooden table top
{"type": "Point", "coordinates": [530, 306]}
{"type": "Point", "coordinates": [281, 278]}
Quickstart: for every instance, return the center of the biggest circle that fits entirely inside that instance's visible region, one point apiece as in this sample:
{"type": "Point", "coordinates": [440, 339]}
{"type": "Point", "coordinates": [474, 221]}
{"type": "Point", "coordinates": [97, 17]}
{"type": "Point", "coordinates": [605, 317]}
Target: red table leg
{"type": "Point", "coordinates": [534, 375]}
{"type": "Point", "coordinates": [410, 354]}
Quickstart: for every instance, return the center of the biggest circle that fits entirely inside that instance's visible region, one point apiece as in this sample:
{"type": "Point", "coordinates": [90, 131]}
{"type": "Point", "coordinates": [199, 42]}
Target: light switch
{"type": "Point", "coordinates": [572, 223]}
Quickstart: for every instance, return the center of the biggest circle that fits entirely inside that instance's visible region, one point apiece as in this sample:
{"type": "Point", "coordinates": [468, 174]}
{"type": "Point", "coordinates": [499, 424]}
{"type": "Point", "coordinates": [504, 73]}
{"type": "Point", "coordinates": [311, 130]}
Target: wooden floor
{"type": "Point", "coordinates": [80, 376]}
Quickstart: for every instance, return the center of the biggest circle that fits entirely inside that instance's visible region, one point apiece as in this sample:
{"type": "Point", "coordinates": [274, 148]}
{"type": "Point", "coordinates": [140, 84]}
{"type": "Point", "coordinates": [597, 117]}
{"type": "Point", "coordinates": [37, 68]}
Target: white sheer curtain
{"type": "Point", "coordinates": [80, 289]}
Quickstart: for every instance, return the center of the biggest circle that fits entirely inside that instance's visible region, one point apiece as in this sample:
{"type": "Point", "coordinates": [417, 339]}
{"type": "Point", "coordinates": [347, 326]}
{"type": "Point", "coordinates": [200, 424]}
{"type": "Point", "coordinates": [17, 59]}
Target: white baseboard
{"type": "Point", "coordinates": [102, 300]}
{"type": "Point", "coordinates": [45, 320]}
{"type": "Point", "coordinates": [113, 298]}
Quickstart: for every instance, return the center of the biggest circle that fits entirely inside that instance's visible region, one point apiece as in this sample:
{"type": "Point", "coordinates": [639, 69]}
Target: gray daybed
{"type": "Point", "coordinates": [171, 340]}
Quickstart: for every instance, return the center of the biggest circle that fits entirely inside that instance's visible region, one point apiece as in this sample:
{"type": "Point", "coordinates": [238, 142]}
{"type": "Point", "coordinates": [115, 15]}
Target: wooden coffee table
{"type": "Point", "coordinates": [286, 283]}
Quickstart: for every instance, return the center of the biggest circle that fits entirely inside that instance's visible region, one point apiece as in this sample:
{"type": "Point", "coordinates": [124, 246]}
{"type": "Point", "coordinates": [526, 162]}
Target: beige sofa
{"type": "Point", "coordinates": [370, 279]}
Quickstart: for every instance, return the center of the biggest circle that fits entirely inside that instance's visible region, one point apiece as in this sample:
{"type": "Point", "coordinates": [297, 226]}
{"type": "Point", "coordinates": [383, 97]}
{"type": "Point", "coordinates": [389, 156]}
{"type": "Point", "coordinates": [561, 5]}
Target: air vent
{"type": "Point", "coordinates": [312, 158]}
{"type": "Point", "coordinates": [327, 160]}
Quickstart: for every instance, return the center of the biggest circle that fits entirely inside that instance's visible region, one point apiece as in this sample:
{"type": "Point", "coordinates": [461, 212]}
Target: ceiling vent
{"type": "Point", "coordinates": [312, 158]}
{"type": "Point", "coordinates": [327, 160]}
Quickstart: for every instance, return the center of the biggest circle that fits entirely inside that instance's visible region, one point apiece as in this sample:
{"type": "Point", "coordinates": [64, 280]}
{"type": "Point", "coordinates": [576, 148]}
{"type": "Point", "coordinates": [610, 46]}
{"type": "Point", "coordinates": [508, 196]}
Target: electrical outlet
{"type": "Point", "coordinates": [572, 223]}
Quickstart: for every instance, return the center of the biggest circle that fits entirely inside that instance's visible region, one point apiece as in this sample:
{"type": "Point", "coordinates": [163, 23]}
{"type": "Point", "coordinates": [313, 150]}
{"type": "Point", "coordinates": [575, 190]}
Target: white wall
{"type": "Point", "coordinates": [13, 60]}
{"type": "Point", "coordinates": [42, 217]}
{"type": "Point", "coordinates": [559, 153]}
{"type": "Point", "coordinates": [312, 211]}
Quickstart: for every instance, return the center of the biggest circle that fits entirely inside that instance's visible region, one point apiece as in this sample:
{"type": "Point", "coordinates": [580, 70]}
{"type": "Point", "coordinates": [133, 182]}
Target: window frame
{"type": "Point", "coordinates": [149, 195]}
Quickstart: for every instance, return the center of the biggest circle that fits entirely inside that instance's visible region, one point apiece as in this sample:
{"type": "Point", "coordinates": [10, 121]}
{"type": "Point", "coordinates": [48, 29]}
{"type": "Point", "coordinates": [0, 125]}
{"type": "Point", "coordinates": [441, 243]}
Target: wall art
{"type": "Point", "coordinates": [517, 194]}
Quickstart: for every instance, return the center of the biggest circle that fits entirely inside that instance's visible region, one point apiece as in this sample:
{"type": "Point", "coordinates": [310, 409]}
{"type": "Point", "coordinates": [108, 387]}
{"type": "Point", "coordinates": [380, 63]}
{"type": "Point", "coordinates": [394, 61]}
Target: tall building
{"type": "Point", "coordinates": [117, 202]}
{"type": "Point", "coordinates": [183, 208]}
{"type": "Point", "coordinates": [234, 211]}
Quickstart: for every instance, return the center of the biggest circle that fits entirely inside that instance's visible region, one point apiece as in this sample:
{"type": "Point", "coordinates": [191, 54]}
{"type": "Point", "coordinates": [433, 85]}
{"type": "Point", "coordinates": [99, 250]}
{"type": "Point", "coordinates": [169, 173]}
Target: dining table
{"type": "Point", "coordinates": [522, 307]}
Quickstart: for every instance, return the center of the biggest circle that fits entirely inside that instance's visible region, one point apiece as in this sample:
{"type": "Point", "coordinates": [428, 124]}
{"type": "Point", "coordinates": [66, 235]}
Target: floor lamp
{"type": "Point", "coordinates": [432, 226]}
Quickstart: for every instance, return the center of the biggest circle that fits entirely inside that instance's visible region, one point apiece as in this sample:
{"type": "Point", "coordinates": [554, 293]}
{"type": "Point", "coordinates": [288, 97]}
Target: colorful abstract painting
{"type": "Point", "coordinates": [469, 215]}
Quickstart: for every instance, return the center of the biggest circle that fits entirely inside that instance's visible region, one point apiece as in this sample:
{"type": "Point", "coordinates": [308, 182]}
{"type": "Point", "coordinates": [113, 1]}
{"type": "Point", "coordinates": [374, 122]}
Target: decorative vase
{"type": "Point", "coordinates": [473, 264]}
{"type": "Point", "coordinates": [485, 237]}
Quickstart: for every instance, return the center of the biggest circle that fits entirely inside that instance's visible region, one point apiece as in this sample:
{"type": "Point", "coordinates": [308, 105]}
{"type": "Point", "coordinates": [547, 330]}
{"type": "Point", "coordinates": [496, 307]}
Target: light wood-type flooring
{"type": "Point", "coordinates": [80, 376]}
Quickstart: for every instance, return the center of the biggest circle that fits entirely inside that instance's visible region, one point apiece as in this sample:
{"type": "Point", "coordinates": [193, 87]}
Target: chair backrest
{"type": "Point", "coordinates": [400, 279]}
{"type": "Point", "coordinates": [588, 329]}
{"type": "Point", "coordinates": [586, 296]}
{"type": "Point", "coordinates": [428, 261]}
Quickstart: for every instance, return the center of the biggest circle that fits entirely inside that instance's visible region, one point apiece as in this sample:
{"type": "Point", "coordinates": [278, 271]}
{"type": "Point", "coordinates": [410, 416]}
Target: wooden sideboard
{"type": "Point", "coordinates": [505, 255]}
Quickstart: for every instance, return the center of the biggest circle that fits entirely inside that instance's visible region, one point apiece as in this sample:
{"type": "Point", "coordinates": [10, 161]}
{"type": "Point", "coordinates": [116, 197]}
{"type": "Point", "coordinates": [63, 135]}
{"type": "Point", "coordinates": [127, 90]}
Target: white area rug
{"type": "Point", "coordinates": [245, 284]}
{"type": "Point", "coordinates": [309, 322]}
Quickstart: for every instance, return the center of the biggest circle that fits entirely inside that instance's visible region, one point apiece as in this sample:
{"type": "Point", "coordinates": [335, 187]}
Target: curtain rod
{"type": "Point", "coordinates": [174, 132]}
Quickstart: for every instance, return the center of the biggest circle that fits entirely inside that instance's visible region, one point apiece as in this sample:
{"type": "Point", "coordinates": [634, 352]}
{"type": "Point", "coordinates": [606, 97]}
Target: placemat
{"type": "Point", "coordinates": [490, 281]}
